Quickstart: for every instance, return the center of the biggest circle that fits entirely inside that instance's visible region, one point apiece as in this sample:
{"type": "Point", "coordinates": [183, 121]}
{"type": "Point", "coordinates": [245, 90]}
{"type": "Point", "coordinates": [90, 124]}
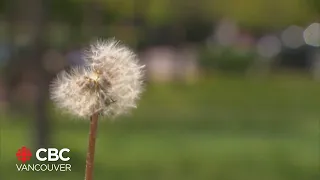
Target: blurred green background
{"type": "Point", "coordinates": [232, 88]}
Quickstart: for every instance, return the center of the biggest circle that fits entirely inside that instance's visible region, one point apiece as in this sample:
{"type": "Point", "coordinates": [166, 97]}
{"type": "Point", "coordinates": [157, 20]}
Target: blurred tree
{"type": "Point", "coordinates": [27, 19]}
{"type": "Point", "coordinates": [9, 70]}
{"type": "Point", "coordinates": [38, 20]}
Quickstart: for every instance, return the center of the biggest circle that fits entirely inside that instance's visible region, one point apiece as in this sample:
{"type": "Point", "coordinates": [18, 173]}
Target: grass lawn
{"type": "Point", "coordinates": [219, 128]}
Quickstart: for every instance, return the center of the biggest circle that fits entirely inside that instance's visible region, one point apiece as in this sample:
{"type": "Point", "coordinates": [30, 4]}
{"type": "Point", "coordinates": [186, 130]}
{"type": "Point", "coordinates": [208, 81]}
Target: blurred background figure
{"type": "Point", "coordinates": [232, 88]}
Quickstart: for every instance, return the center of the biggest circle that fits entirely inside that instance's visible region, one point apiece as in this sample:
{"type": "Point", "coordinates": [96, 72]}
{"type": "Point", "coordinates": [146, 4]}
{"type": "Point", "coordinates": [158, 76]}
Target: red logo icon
{"type": "Point", "coordinates": [23, 154]}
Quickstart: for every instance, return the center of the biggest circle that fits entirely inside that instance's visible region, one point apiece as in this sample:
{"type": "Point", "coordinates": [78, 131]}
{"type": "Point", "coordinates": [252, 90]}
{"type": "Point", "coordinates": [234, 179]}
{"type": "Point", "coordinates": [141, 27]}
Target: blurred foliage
{"type": "Point", "coordinates": [315, 4]}
{"type": "Point", "coordinates": [66, 11]}
{"type": "Point", "coordinates": [271, 13]}
{"type": "Point", "coordinates": [227, 59]}
{"type": "Point", "coordinates": [142, 23]}
{"type": "Point", "coordinates": [256, 13]}
{"type": "Point", "coordinates": [266, 13]}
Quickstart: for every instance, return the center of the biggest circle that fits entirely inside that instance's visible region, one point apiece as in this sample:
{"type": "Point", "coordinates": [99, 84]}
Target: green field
{"type": "Point", "coordinates": [216, 129]}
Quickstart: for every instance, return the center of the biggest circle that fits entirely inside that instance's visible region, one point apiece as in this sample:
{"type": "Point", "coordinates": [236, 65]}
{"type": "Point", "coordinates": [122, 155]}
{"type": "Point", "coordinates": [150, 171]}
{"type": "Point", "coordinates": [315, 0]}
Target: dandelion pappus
{"type": "Point", "coordinates": [97, 85]}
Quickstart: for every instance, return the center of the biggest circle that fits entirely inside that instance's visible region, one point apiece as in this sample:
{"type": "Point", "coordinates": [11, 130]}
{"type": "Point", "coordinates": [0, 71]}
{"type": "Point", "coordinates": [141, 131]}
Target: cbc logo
{"type": "Point", "coordinates": [52, 154]}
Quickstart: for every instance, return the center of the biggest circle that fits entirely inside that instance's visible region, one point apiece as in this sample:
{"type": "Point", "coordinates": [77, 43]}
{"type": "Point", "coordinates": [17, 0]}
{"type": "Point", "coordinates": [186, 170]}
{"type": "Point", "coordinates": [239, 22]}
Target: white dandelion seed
{"type": "Point", "coordinates": [109, 84]}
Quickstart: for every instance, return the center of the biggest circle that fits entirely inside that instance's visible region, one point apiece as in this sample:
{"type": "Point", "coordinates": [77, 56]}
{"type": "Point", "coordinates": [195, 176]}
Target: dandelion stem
{"type": "Point", "coordinates": [91, 147]}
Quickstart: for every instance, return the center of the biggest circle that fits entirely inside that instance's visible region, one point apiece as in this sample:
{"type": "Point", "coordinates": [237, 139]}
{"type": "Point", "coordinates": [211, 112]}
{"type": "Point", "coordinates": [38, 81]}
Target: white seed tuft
{"type": "Point", "coordinates": [109, 84]}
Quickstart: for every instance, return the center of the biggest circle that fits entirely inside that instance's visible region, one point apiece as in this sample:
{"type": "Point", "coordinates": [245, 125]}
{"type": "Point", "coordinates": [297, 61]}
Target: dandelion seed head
{"type": "Point", "coordinates": [110, 83]}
